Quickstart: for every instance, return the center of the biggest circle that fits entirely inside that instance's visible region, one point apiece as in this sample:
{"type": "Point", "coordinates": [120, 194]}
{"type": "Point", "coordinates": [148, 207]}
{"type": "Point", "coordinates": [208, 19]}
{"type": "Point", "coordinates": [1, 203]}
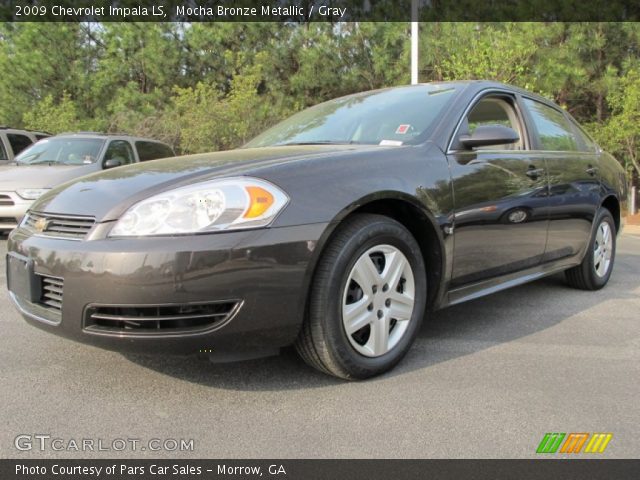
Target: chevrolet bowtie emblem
{"type": "Point", "coordinates": [41, 224]}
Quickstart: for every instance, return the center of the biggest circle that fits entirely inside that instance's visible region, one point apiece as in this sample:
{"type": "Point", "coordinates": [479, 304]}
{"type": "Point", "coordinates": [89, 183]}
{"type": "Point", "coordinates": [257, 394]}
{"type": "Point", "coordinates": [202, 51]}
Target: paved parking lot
{"type": "Point", "coordinates": [485, 379]}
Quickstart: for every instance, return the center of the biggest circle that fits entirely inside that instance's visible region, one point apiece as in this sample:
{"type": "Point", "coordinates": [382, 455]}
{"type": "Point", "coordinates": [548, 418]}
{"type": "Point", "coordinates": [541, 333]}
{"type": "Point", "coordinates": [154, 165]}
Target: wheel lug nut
{"type": "Point", "coordinates": [387, 303]}
{"type": "Point", "coordinates": [385, 287]}
{"type": "Point", "coordinates": [375, 289]}
{"type": "Point", "coordinates": [380, 314]}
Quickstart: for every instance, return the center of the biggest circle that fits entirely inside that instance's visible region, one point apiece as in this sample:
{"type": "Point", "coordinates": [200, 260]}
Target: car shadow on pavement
{"type": "Point", "coordinates": [445, 335]}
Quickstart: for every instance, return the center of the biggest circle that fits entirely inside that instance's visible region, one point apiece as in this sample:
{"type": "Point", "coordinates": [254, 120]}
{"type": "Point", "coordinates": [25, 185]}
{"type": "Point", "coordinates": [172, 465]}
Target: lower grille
{"type": "Point", "coordinates": [51, 296]}
{"type": "Point", "coordinates": [157, 319]}
{"type": "Point", "coordinates": [6, 201]}
{"type": "Point", "coordinates": [8, 220]}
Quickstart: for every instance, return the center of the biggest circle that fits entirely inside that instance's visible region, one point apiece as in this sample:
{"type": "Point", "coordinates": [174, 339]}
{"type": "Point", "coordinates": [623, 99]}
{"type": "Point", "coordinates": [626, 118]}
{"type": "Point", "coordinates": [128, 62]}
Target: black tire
{"type": "Point", "coordinates": [584, 276]}
{"type": "Point", "coordinates": [323, 341]}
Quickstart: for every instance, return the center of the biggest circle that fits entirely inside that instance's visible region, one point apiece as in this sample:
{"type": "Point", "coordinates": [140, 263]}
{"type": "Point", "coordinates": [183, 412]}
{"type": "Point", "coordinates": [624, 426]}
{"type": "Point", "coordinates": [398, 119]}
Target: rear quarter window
{"type": "Point", "coordinates": [18, 142]}
{"type": "Point", "coordinates": [153, 151]}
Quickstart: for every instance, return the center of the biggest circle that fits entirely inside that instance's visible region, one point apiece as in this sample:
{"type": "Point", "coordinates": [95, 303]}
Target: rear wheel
{"type": "Point", "coordinates": [367, 299]}
{"type": "Point", "coordinates": [594, 271]}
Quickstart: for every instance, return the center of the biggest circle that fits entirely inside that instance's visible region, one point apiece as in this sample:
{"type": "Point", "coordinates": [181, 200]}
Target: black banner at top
{"type": "Point", "coordinates": [300, 11]}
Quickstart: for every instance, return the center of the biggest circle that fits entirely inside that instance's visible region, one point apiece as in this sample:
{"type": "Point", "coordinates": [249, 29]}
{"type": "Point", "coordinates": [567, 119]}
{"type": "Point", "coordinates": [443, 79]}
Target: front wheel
{"type": "Point", "coordinates": [594, 271]}
{"type": "Point", "coordinates": [367, 299]}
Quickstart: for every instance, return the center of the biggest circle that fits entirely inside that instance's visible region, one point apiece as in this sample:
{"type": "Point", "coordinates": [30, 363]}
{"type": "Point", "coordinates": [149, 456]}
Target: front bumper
{"type": "Point", "coordinates": [266, 272]}
{"type": "Point", "coordinates": [12, 209]}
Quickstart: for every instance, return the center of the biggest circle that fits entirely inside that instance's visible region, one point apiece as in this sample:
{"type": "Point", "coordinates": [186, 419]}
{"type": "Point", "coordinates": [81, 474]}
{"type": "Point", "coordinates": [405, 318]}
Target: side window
{"type": "Point", "coordinates": [40, 136]}
{"type": "Point", "coordinates": [18, 142]}
{"type": "Point", "coordinates": [554, 131]}
{"type": "Point", "coordinates": [587, 141]}
{"type": "Point", "coordinates": [495, 111]}
{"type": "Point", "coordinates": [120, 150]}
{"type": "Point", "coordinates": [152, 151]}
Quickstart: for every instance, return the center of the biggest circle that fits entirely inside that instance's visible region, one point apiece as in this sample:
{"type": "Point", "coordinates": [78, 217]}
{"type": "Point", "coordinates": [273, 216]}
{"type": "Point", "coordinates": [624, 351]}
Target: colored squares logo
{"type": "Point", "coordinates": [550, 442]}
{"type": "Point", "coordinates": [598, 442]}
{"type": "Point", "coordinates": [574, 443]}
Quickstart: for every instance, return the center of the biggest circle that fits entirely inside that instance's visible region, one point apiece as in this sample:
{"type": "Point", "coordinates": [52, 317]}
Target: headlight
{"type": "Point", "coordinates": [225, 204]}
{"type": "Point", "coordinates": [31, 193]}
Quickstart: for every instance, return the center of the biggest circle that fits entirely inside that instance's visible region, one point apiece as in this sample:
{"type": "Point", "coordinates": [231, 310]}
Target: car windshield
{"type": "Point", "coordinates": [385, 117]}
{"type": "Point", "coordinates": [62, 151]}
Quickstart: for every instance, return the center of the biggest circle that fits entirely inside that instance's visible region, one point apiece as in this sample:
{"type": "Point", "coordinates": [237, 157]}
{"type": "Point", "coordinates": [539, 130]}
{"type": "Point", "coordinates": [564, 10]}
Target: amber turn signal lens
{"type": "Point", "coordinates": [259, 202]}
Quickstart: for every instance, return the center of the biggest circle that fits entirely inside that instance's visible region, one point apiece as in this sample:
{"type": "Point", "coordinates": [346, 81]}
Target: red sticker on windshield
{"type": "Point", "coordinates": [402, 129]}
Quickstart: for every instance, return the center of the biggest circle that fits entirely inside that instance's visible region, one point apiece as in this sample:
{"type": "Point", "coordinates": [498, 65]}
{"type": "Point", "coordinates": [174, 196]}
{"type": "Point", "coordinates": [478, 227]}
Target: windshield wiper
{"type": "Point", "coordinates": [37, 162]}
{"type": "Point", "coordinates": [318, 142]}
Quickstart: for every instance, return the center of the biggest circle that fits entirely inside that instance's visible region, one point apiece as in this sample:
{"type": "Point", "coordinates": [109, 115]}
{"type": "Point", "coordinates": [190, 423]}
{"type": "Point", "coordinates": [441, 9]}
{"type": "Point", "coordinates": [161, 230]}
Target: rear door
{"type": "Point", "coordinates": [572, 163]}
{"type": "Point", "coordinates": [500, 197]}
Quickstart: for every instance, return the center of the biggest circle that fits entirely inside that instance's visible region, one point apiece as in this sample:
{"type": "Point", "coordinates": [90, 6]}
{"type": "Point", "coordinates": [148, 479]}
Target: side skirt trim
{"type": "Point", "coordinates": [493, 285]}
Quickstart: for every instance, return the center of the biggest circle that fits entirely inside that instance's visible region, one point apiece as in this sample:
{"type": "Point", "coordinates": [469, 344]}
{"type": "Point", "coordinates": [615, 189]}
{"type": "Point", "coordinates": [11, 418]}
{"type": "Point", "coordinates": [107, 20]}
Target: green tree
{"type": "Point", "coordinates": [205, 118]}
{"type": "Point", "coordinates": [42, 59]}
{"type": "Point", "coordinates": [205, 86]}
{"type": "Point", "coordinates": [620, 135]}
{"type": "Point", "coordinates": [54, 117]}
{"type": "Point", "coordinates": [501, 52]}
{"type": "Point", "coordinates": [577, 62]}
{"type": "Point", "coordinates": [138, 67]}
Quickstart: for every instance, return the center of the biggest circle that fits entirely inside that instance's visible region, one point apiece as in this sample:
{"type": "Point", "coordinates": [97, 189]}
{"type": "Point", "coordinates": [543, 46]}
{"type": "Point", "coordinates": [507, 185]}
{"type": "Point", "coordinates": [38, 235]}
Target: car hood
{"type": "Point", "coordinates": [106, 195]}
{"type": "Point", "coordinates": [13, 177]}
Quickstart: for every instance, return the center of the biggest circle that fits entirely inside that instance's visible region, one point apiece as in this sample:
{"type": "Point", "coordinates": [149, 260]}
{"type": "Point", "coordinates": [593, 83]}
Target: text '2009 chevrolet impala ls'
{"type": "Point", "coordinates": [335, 230]}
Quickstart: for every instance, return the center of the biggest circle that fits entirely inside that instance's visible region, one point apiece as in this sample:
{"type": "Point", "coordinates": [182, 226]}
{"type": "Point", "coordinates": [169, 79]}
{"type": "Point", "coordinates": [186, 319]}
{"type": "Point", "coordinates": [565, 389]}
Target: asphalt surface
{"type": "Point", "coordinates": [485, 379]}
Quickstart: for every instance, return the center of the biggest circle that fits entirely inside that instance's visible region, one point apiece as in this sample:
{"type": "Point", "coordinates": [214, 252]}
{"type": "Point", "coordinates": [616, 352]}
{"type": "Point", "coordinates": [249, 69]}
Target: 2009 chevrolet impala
{"type": "Point", "coordinates": [335, 230]}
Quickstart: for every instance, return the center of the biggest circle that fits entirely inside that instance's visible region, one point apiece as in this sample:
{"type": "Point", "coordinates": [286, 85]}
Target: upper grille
{"type": "Point", "coordinates": [6, 201]}
{"type": "Point", "coordinates": [160, 319]}
{"type": "Point", "coordinates": [66, 226]}
{"type": "Point", "coordinates": [51, 292]}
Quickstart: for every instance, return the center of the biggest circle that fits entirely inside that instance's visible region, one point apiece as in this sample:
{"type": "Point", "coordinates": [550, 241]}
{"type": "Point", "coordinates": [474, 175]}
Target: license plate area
{"type": "Point", "coordinates": [21, 280]}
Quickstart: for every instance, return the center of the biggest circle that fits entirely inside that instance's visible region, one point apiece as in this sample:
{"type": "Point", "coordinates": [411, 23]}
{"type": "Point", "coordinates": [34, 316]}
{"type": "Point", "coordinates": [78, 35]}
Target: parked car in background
{"type": "Point", "coordinates": [337, 230]}
{"type": "Point", "coordinates": [13, 141]}
{"type": "Point", "coordinates": [55, 160]}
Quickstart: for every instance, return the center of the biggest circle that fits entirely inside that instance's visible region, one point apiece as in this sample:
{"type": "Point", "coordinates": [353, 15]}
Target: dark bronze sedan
{"type": "Point", "coordinates": [335, 230]}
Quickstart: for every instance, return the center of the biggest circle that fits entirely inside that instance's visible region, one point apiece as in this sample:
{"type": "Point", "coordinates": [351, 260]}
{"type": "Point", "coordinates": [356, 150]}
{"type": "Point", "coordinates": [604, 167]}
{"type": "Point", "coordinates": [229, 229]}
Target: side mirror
{"type": "Point", "coordinates": [487, 135]}
{"type": "Point", "coordinates": [112, 162]}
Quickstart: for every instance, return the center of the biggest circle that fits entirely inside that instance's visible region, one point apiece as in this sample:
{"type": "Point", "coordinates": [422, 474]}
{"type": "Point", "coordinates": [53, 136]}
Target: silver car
{"type": "Point", "coordinates": [56, 160]}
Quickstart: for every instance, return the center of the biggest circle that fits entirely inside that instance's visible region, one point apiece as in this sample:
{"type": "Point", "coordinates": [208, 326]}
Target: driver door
{"type": "Point", "coordinates": [501, 198]}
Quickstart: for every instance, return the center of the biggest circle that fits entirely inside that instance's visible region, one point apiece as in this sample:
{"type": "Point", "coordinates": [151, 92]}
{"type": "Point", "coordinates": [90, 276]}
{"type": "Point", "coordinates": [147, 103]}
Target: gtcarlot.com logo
{"type": "Point", "coordinates": [44, 442]}
{"type": "Point", "coordinates": [573, 442]}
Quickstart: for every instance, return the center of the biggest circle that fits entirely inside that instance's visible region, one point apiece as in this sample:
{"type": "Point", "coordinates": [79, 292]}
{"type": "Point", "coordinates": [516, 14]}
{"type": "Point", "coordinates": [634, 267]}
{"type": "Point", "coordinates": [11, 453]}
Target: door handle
{"type": "Point", "coordinates": [592, 170]}
{"type": "Point", "coordinates": [533, 172]}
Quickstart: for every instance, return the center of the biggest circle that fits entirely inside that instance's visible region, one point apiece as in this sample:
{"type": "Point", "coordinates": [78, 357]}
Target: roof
{"type": "Point", "coordinates": [488, 84]}
{"type": "Point", "coordinates": [105, 135]}
{"type": "Point", "coordinates": [5, 127]}
{"type": "Point", "coordinates": [478, 85]}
